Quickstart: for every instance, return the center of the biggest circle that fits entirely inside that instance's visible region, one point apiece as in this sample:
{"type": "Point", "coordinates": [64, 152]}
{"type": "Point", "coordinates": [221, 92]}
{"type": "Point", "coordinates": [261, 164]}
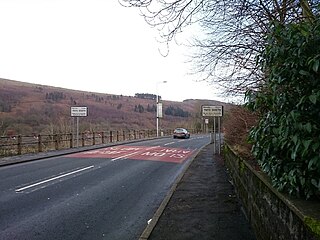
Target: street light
{"type": "Point", "coordinates": [158, 105]}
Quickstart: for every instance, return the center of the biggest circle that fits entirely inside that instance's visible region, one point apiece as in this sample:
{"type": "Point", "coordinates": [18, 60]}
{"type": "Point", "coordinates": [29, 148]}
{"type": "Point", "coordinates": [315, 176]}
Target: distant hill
{"type": "Point", "coordinates": [32, 108]}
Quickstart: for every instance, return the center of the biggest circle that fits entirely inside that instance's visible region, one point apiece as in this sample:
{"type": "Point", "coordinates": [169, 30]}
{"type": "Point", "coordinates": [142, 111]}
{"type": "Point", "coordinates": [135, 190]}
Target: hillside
{"type": "Point", "coordinates": [31, 108]}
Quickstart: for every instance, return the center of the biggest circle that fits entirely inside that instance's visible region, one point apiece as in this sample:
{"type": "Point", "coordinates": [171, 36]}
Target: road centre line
{"type": "Point", "coordinates": [52, 179]}
{"type": "Point", "coordinates": [168, 143]}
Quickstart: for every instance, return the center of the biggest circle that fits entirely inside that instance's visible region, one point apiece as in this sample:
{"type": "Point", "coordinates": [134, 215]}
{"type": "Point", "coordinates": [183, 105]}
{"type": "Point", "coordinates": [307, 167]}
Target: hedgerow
{"type": "Point", "coordinates": [286, 140]}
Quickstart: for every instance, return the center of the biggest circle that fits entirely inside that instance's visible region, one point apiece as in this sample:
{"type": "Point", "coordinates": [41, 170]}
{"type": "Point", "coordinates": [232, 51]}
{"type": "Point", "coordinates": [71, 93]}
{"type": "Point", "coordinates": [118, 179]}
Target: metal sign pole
{"type": "Point", "coordinates": [214, 111]}
{"type": "Point", "coordinates": [214, 135]}
{"type": "Point", "coordinates": [77, 131]}
{"type": "Point", "coordinates": [78, 112]}
{"type": "Point", "coordinates": [219, 129]}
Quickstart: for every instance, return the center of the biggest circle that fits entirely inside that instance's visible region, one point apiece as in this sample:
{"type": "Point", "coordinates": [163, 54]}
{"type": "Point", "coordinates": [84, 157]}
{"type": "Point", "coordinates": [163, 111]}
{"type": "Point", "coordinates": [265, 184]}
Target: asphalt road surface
{"type": "Point", "coordinates": [108, 193]}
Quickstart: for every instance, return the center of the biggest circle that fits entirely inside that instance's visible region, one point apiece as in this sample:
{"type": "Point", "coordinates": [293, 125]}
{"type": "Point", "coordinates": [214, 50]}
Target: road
{"type": "Point", "coordinates": [108, 193]}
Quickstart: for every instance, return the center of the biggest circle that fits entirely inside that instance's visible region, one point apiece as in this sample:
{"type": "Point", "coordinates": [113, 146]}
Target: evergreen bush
{"type": "Point", "coordinates": [286, 141]}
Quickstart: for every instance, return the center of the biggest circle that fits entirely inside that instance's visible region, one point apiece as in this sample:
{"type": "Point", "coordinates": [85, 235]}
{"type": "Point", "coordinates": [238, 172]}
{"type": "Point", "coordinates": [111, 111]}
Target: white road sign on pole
{"type": "Point", "coordinates": [212, 111]}
{"type": "Point", "coordinates": [159, 110]}
{"type": "Point", "coordinates": [79, 111]}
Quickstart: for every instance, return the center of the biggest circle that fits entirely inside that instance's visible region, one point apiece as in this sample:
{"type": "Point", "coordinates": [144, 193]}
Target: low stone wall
{"type": "Point", "coordinates": [272, 215]}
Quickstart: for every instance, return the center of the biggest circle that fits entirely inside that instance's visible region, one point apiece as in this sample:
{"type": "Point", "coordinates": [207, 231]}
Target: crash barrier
{"type": "Point", "coordinates": [22, 144]}
{"type": "Point", "coordinates": [272, 215]}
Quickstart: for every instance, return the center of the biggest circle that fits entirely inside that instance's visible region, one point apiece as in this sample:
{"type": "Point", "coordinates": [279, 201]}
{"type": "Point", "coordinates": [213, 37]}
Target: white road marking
{"type": "Point", "coordinates": [152, 147]}
{"type": "Point", "coordinates": [52, 179]}
{"type": "Point", "coordinates": [169, 143]}
{"type": "Point", "coordinates": [124, 156]}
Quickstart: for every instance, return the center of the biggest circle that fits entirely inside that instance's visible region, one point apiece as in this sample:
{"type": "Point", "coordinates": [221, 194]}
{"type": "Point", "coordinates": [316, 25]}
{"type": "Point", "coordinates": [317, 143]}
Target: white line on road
{"type": "Point", "coordinates": [152, 147]}
{"type": "Point", "coordinates": [124, 156]}
{"type": "Point", "coordinates": [52, 179]}
{"type": "Point", "coordinates": [168, 143]}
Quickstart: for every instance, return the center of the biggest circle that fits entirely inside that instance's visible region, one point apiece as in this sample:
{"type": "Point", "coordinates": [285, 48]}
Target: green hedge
{"type": "Point", "coordinates": [286, 140]}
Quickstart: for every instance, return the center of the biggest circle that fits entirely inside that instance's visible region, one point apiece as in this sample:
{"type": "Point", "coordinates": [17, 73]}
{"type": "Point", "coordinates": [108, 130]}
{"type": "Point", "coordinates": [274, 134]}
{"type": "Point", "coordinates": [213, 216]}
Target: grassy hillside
{"type": "Point", "coordinates": [31, 108]}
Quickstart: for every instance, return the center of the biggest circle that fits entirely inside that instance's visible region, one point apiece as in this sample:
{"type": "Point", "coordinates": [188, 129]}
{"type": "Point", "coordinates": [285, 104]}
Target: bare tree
{"type": "Point", "coordinates": [232, 33]}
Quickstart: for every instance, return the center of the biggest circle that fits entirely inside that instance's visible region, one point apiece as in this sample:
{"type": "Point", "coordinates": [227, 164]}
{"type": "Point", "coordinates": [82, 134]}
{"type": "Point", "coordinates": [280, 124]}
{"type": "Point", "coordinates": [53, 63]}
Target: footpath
{"type": "Point", "coordinates": [203, 205]}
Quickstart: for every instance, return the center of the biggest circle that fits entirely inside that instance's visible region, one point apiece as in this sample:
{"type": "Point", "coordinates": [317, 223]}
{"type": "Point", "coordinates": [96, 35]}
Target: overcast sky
{"type": "Point", "coordinates": [91, 45]}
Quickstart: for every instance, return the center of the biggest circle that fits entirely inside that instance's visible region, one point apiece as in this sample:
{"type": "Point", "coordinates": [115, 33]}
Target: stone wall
{"type": "Point", "coordinates": [273, 216]}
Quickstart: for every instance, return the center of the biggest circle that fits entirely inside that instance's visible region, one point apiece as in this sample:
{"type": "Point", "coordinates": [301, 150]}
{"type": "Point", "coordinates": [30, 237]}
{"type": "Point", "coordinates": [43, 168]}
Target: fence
{"type": "Point", "coordinates": [18, 145]}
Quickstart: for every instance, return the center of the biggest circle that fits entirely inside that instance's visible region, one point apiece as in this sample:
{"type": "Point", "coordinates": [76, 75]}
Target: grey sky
{"type": "Point", "coordinates": [91, 45]}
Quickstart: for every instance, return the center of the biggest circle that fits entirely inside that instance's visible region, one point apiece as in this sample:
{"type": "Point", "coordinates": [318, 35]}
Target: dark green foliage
{"type": "Point", "coordinates": [55, 96]}
{"type": "Point", "coordinates": [178, 112]}
{"type": "Point", "coordinates": [119, 106]}
{"type": "Point", "coordinates": [147, 96]}
{"type": "Point", "coordinates": [286, 140]}
{"type": "Point", "coordinates": [152, 108]}
{"type": "Point", "coordinates": [8, 101]}
{"type": "Point", "coordinates": [139, 108]}
{"type": "Point", "coordinates": [5, 106]}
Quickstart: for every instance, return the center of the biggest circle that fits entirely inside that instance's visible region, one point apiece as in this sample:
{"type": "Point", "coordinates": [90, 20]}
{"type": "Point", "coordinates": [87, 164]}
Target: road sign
{"type": "Point", "coordinates": [159, 110]}
{"type": "Point", "coordinates": [79, 111]}
{"type": "Point", "coordinates": [212, 111]}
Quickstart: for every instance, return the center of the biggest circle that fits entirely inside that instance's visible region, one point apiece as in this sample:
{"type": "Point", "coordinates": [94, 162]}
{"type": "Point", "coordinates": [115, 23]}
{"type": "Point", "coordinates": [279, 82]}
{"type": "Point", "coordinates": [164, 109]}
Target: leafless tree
{"type": "Point", "coordinates": [231, 36]}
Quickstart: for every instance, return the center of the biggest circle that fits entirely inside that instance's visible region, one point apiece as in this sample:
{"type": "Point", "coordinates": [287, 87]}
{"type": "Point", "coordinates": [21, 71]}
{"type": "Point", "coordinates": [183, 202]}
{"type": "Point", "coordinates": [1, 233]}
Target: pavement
{"type": "Point", "coordinates": [201, 204]}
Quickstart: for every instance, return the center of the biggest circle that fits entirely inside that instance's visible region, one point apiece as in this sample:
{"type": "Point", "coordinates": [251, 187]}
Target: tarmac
{"type": "Point", "coordinates": [201, 204]}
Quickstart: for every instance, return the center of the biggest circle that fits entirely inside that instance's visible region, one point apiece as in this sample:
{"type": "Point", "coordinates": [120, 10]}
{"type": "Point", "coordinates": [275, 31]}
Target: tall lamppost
{"type": "Point", "coordinates": [159, 108]}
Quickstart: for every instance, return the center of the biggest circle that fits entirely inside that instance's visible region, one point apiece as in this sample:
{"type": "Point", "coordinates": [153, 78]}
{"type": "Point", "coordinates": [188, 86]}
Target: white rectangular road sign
{"type": "Point", "coordinates": [159, 110]}
{"type": "Point", "coordinates": [79, 111]}
{"type": "Point", "coordinates": [212, 111]}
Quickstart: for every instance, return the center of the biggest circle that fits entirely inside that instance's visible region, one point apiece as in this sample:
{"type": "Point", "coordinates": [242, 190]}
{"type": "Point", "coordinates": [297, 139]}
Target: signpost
{"type": "Point", "coordinates": [78, 112]}
{"type": "Point", "coordinates": [215, 112]}
{"type": "Point", "coordinates": [212, 111]}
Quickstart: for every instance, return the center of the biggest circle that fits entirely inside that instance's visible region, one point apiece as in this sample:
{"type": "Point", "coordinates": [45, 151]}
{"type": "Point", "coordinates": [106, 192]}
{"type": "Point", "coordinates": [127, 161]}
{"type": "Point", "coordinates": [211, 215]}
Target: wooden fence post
{"type": "Point", "coordinates": [111, 136]}
{"type": "Point", "coordinates": [19, 144]}
{"type": "Point", "coordinates": [117, 136]}
{"type": "Point", "coordinates": [102, 137]}
{"type": "Point", "coordinates": [94, 138]}
{"type": "Point", "coordinates": [82, 139]}
{"type": "Point", "coordinates": [124, 136]}
{"type": "Point", "coordinates": [56, 141]}
{"type": "Point", "coordinates": [71, 140]}
{"type": "Point", "coordinates": [39, 143]}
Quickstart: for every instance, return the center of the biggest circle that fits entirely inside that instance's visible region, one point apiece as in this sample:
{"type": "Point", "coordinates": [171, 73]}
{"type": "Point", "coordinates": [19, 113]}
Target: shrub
{"type": "Point", "coordinates": [286, 140]}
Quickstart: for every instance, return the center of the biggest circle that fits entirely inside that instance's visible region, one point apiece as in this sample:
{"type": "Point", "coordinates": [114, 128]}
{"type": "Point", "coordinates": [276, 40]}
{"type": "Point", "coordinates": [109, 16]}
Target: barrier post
{"type": "Point", "coordinates": [19, 144]}
{"type": "Point", "coordinates": [39, 143]}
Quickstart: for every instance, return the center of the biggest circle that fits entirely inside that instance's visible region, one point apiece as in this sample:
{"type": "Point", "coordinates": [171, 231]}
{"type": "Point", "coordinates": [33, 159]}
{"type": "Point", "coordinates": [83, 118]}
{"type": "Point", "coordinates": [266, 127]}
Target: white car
{"type": "Point", "coordinates": [181, 133]}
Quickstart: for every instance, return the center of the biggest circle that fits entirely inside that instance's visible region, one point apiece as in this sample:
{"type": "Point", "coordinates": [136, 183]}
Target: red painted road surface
{"type": "Point", "coordinates": [155, 153]}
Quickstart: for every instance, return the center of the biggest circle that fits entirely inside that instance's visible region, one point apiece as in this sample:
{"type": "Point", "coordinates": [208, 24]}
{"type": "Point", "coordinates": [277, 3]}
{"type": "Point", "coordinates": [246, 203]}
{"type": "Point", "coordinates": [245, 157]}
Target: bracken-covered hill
{"type": "Point", "coordinates": [31, 108]}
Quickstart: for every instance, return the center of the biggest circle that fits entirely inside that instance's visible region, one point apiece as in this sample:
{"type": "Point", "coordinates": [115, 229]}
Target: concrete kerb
{"type": "Point", "coordinates": [38, 156]}
{"type": "Point", "coordinates": [154, 220]}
